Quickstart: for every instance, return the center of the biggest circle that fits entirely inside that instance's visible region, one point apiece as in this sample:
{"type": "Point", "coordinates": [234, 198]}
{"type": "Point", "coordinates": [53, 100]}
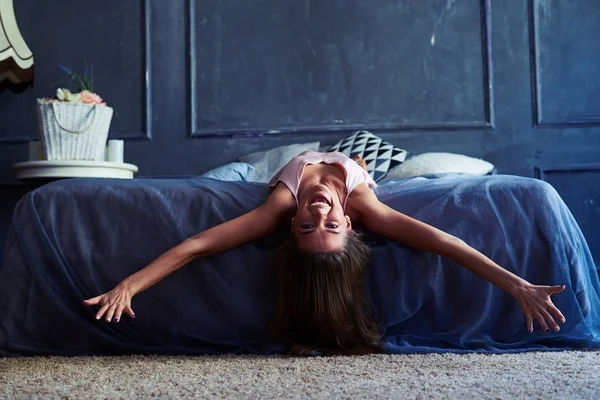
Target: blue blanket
{"type": "Point", "coordinates": [74, 239]}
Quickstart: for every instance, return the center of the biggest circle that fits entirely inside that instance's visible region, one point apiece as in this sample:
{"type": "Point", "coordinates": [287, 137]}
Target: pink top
{"type": "Point", "coordinates": [291, 173]}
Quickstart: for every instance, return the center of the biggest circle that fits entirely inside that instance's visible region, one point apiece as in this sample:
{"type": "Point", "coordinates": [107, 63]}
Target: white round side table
{"type": "Point", "coordinates": [74, 169]}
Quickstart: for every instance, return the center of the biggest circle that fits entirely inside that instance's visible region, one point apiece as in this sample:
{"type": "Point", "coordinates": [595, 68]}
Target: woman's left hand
{"type": "Point", "coordinates": [360, 161]}
{"type": "Point", "coordinates": [536, 304]}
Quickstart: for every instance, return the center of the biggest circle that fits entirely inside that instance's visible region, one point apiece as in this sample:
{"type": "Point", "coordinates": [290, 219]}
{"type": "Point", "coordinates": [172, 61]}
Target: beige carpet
{"type": "Point", "coordinates": [543, 375]}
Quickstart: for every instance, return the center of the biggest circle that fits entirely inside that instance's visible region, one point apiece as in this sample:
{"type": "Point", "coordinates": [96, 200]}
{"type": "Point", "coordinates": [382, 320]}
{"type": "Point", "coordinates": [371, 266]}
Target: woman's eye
{"type": "Point", "coordinates": [306, 226]}
{"type": "Point", "coordinates": [333, 226]}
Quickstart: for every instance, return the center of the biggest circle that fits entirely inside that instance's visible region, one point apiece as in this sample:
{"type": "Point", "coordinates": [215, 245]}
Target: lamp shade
{"type": "Point", "coordinates": [16, 60]}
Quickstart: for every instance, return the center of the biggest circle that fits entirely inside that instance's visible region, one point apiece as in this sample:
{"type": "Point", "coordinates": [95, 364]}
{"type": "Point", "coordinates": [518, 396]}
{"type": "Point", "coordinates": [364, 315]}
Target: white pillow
{"type": "Point", "coordinates": [268, 162]}
{"type": "Point", "coordinates": [440, 163]}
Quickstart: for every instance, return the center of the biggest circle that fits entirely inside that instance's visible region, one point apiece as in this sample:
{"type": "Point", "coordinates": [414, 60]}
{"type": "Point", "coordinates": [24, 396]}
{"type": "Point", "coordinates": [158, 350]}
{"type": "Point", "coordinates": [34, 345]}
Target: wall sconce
{"type": "Point", "coordinates": [16, 60]}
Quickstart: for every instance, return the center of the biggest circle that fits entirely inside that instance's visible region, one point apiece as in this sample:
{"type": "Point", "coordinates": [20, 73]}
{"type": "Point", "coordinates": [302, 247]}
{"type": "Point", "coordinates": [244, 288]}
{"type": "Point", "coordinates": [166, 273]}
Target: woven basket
{"type": "Point", "coordinates": [71, 131]}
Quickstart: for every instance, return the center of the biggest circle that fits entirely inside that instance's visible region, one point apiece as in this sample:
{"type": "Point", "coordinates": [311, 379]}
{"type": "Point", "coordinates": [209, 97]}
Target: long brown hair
{"type": "Point", "coordinates": [321, 303]}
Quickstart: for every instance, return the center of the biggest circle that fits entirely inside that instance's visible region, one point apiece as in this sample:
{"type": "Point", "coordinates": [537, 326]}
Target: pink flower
{"type": "Point", "coordinates": [98, 99]}
{"type": "Point", "coordinates": [88, 97]}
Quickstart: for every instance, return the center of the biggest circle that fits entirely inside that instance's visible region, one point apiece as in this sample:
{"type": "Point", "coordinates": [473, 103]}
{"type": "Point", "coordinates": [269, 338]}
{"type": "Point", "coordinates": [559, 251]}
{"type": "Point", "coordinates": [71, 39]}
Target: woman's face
{"type": "Point", "coordinates": [320, 223]}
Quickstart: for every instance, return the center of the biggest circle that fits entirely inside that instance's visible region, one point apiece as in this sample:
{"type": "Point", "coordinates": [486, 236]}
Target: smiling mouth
{"type": "Point", "coordinates": [320, 200]}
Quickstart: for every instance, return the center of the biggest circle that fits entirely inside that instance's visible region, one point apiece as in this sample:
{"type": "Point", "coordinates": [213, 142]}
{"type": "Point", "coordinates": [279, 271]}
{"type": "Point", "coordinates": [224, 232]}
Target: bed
{"type": "Point", "coordinates": [74, 239]}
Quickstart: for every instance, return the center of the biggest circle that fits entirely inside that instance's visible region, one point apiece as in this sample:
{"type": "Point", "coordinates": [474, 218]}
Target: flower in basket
{"type": "Point", "coordinates": [74, 125]}
{"type": "Point", "coordinates": [85, 85]}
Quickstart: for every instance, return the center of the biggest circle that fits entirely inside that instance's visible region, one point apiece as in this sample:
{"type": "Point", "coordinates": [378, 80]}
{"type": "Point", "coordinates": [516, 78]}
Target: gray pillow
{"type": "Point", "coordinates": [235, 171]}
{"type": "Point", "coordinates": [267, 163]}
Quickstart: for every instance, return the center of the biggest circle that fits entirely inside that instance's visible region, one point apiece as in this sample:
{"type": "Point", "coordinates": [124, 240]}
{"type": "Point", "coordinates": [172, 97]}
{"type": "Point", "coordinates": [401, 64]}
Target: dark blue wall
{"type": "Point", "coordinates": [196, 84]}
{"type": "Point", "coordinates": [515, 83]}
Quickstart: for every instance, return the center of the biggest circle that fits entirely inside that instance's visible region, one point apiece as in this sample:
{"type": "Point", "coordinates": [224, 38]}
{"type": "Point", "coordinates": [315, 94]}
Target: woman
{"type": "Point", "coordinates": [321, 270]}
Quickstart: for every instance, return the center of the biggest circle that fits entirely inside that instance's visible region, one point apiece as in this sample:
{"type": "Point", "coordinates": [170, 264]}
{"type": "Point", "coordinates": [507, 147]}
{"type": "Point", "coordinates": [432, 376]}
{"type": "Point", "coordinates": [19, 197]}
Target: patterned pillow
{"type": "Point", "coordinates": [380, 156]}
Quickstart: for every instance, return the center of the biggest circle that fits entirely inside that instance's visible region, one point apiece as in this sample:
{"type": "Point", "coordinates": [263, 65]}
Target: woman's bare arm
{"type": "Point", "coordinates": [245, 228]}
{"type": "Point", "coordinates": [385, 221]}
{"type": "Point", "coordinates": [228, 235]}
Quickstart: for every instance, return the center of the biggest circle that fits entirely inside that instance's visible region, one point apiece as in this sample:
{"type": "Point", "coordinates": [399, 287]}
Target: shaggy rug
{"type": "Point", "coordinates": [544, 375]}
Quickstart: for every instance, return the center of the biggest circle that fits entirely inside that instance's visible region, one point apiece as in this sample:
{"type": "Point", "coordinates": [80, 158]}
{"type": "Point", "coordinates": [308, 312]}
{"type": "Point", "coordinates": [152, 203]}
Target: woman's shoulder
{"type": "Point", "coordinates": [360, 199]}
{"type": "Point", "coordinates": [281, 198]}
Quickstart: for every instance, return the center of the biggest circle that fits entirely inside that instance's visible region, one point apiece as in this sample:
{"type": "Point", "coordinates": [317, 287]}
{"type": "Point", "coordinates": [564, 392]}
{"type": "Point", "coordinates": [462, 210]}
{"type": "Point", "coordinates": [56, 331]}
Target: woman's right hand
{"type": "Point", "coordinates": [113, 304]}
{"type": "Point", "coordinates": [536, 304]}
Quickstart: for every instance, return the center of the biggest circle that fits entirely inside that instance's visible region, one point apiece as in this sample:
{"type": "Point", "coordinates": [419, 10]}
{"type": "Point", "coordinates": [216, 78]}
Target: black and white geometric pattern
{"type": "Point", "coordinates": [381, 156]}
